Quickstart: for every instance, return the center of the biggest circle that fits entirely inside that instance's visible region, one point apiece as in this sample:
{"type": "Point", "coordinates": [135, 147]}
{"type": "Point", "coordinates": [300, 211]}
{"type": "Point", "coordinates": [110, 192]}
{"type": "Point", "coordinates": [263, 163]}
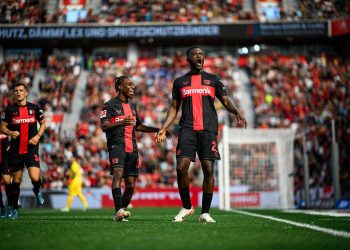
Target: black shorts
{"type": "Point", "coordinates": [121, 159]}
{"type": "Point", "coordinates": [17, 161]}
{"type": "Point", "coordinates": [202, 142]}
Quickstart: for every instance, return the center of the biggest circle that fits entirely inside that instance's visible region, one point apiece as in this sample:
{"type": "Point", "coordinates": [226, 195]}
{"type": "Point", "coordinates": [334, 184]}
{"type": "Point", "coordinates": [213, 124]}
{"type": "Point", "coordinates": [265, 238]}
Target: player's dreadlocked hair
{"type": "Point", "coordinates": [119, 80]}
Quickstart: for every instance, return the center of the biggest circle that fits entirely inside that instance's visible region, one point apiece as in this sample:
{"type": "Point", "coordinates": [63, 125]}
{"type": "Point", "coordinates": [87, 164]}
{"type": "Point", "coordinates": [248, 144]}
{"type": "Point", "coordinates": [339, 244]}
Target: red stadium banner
{"type": "Point", "coordinates": [74, 2]}
{"type": "Point", "coordinates": [156, 197]}
{"type": "Point", "coordinates": [251, 199]}
{"type": "Point", "coordinates": [340, 27]}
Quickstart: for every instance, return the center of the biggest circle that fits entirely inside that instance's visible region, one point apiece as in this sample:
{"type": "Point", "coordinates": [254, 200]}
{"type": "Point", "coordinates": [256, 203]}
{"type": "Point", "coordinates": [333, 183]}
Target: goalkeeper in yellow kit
{"type": "Point", "coordinates": [75, 184]}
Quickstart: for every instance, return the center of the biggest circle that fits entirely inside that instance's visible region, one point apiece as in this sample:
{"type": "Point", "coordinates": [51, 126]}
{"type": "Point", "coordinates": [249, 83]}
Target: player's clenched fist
{"type": "Point", "coordinates": [129, 121]}
{"type": "Point", "coordinates": [162, 135]}
{"type": "Point", "coordinates": [14, 134]}
{"type": "Point", "coordinates": [34, 140]}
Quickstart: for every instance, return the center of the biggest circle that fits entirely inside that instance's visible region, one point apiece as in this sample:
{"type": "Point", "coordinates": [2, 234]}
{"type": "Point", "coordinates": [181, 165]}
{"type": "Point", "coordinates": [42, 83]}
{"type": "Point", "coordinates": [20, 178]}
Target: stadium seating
{"type": "Point", "coordinates": [29, 12]}
{"type": "Point", "coordinates": [57, 89]}
{"type": "Point", "coordinates": [307, 91]}
{"type": "Point", "coordinates": [16, 68]}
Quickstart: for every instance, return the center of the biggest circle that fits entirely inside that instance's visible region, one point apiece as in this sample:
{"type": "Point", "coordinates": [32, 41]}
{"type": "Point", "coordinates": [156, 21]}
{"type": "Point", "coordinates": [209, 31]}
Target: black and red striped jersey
{"type": "Point", "coordinates": [122, 136]}
{"type": "Point", "coordinates": [197, 93]}
{"type": "Point", "coordinates": [3, 146]}
{"type": "Point", "coordinates": [23, 119]}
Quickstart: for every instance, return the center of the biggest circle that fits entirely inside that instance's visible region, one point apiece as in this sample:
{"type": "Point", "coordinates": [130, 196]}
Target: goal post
{"type": "Point", "coordinates": [256, 168]}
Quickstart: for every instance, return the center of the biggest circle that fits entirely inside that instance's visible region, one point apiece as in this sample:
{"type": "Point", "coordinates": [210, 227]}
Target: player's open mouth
{"type": "Point", "coordinates": [199, 62]}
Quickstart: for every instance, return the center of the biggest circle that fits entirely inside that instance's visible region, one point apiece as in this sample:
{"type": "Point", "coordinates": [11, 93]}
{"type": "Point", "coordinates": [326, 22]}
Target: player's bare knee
{"type": "Point", "coordinates": [34, 173]}
{"type": "Point", "coordinates": [181, 171]}
{"type": "Point", "coordinates": [6, 179]}
{"type": "Point", "coordinates": [117, 172]}
{"type": "Point", "coordinates": [35, 178]}
{"type": "Point", "coordinates": [208, 172]}
{"type": "Point", "coordinates": [17, 177]}
{"type": "Point", "coordinates": [130, 185]}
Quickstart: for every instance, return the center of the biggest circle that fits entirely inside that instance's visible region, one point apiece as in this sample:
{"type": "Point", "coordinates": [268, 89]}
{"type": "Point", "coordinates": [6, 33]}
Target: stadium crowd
{"type": "Point", "coordinates": [16, 68]}
{"type": "Point", "coordinates": [309, 92]}
{"type": "Point", "coordinates": [29, 12]}
{"type": "Point", "coordinates": [57, 89]}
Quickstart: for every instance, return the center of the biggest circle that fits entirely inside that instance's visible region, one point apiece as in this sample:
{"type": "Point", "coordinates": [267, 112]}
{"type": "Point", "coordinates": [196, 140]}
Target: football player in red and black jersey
{"type": "Point", "coordinates": [19, 122]}
{"type": "Point", "coordinates": [196, 91]}
{"type": "Point", "coordinates": [120, 120]}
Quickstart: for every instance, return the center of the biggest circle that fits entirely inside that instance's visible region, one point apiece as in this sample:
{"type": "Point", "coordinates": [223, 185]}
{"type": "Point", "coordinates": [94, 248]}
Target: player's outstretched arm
{"type": "Point", "coordinates": [170, 118]}
{"type": "Point", "coordinates": [148, 129]}
{"type": "Point", "coordinates": [228, 104]}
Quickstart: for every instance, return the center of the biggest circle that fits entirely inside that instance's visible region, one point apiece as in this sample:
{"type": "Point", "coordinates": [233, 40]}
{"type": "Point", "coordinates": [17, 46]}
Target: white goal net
{"type": "Point", "coordinates": [256, 168]}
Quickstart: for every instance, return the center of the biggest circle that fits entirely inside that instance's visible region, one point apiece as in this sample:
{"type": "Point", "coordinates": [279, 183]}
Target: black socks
{"type": "Point", "coordinates": [117, 197]}
{"type": "Point", "coordinates": [36, 185]}
{"type": "Point", "coordinates": [206, 202]}
{"type": "Point", "coordinates": [15, 195]}
{"type": "Point", "coordinates": [185, 197]}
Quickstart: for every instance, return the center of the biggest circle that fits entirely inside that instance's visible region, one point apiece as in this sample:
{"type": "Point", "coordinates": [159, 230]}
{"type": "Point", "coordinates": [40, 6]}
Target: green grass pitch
{"type": "Point", "coordinates": [152, 228]}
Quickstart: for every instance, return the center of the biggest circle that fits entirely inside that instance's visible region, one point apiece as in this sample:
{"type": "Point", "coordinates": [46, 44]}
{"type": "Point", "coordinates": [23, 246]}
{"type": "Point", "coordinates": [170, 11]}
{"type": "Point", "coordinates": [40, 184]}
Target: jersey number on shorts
{"type": "Point", "coordinates": [213, 148]}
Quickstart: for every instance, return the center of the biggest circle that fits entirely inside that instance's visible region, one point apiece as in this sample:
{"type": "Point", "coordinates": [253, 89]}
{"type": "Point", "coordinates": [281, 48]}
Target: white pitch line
{"type": "Point", "coordinates": [314, 212]}
{"type": "Point", "coordinates": [297, 224]}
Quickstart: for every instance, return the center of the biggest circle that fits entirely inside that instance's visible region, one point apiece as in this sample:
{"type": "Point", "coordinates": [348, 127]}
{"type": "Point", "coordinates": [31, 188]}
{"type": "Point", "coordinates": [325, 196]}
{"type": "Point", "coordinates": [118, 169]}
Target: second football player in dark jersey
{"type": "Point", "coordinates": [196, 92]}
{"type": "Point", "coordinates": [120, 120]}
{"type": "Point", "coordinates": [19, 122]}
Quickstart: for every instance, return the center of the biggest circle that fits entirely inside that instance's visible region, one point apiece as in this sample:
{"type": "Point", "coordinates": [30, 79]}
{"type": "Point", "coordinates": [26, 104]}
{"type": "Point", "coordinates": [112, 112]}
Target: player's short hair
{"type": "Point", "coordinates": [20, 84]}
{"type": "Point", "coordinates": [119, 80]}
{"type": "Point", "coordinates": [190, 49]}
